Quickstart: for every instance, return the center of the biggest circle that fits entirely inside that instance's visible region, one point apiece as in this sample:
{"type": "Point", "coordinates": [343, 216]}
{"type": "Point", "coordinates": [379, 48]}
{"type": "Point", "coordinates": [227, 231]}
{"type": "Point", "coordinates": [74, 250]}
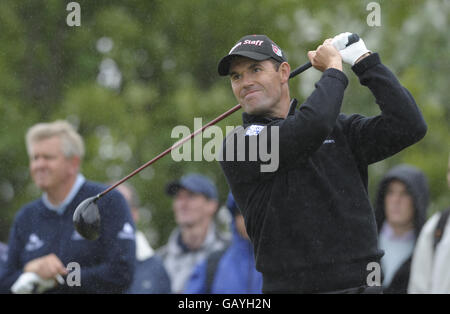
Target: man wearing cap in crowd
{"type": "Point", "coordinates": [231, 270]}
{"type": "Point", "coordinates": [195, 202]}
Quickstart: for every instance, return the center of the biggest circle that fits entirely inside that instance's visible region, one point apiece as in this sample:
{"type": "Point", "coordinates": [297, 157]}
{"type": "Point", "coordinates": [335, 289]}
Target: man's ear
{"type": "Point", "coordinates": [75, 162]}
{"type": "Point", "coordinates": [285, 71]}
{"type": "Point", "coordinates": [213, 206]}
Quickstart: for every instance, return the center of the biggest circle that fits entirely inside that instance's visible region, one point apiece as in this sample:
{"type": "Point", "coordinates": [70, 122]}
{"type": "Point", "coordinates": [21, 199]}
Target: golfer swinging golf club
{"type": "Point", "coordinates": [310, 221]}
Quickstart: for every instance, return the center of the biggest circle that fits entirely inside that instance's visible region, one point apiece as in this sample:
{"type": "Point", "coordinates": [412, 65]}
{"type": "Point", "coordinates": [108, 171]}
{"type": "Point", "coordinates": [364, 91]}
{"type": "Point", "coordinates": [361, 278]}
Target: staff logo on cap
{"type": "Point", "coordinates": [256, 47]}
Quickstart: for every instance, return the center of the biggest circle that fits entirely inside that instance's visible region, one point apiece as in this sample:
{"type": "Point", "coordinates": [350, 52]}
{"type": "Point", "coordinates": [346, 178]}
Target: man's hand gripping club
{"type": "Point", "coordinates": [345, 47]}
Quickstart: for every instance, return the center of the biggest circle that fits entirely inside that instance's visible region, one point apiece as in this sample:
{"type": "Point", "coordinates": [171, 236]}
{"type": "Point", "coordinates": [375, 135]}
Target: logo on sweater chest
{"type": "Point", "coordinates": [127, 232]}
{"type": "Point", "coordinates": [34, 243]}
{"type": "Point", "coordinates": [254, 130]}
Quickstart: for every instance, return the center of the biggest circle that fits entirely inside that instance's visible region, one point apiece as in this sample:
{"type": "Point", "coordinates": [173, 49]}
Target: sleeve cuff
{"type": "Point", "coordinates": [336, 74]}
{"type": "Point", "coordinates": [366, 63]}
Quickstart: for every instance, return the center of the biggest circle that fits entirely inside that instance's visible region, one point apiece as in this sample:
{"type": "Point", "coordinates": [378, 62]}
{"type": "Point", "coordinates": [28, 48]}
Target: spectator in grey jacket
{"type": "Point", "coordinates": [195, 202]}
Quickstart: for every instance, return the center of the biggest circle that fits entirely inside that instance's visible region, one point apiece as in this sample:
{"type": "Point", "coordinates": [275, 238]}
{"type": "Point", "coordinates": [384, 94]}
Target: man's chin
{"type": "Point", "coordinates": [187, 225]}
{"type": "Point", "coordinates": [255, 110]}
{"type": "Point", "coordinates": [43, 186]}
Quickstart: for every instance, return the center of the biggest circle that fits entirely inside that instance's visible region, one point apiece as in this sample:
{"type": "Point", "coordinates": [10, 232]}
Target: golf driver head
{"type": "Point", "coordinates": [86, 218]}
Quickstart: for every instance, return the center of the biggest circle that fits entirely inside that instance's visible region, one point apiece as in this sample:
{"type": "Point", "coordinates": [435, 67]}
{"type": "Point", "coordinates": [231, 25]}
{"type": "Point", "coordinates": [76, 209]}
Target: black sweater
{"type": "Point", "coordinates": [311, 222]}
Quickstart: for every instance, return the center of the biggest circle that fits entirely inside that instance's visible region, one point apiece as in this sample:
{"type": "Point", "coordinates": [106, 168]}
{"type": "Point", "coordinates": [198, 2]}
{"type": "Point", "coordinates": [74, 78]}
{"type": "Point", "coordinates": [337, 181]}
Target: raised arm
{"type": "Point", "coordinates": [400, 123]}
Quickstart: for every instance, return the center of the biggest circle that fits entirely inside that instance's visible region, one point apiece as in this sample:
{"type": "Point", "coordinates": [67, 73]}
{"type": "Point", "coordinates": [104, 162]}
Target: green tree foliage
{"type": "Point", "coordinates": [163, 58]}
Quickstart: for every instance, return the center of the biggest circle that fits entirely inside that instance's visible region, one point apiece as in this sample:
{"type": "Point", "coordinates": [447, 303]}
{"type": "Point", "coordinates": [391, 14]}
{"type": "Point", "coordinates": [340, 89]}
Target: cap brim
{"type": "Point", "coordinates": [224, 64]}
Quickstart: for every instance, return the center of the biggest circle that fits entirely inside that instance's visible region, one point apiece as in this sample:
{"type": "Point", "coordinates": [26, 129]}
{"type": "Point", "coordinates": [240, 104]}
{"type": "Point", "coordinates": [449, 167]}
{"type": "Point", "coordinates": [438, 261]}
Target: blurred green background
{"type": "Point", "coordinates": [135, 69]}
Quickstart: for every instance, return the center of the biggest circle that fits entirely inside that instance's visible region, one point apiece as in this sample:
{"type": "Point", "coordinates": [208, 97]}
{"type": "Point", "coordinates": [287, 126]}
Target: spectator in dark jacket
{"type": "Point", "coordinates": [401, 207]}
{"type": "Point", "coordinates": [43, 241]}
{"type": "Point", "coordinates": [3, 253]}
{"type": "Point", "coordinates": [150, 276]}
{"type": "Point", "coordinates": [3, 249]}
{"type": "Point", "coordinates": [3, 257]}
{"type": "Point", "coordinates": [231, 270]}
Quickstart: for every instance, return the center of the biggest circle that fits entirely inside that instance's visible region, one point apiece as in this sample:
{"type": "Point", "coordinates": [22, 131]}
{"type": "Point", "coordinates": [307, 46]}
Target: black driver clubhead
{"type": "Point", "coordinates": [86, 218]}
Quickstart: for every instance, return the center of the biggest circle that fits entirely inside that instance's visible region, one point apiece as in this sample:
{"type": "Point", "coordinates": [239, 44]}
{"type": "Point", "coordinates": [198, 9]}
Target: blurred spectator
{"type": "Point", "coordinates": [3, 257]}
{"type": "Point", "coordinates": [43, 240]}
{"type": "Point", "coordinates": [150, 276]}
{"type": "Point", "coordinates": [401, 207]}
{"type": "Point", "coordinates": [231, 270]}
{"type": "Point", "coordinates": [430, 271]}
{"type": "Point", "coordinates": [3, 252]}
{"type": "Point", "coordinates": [195, 202]}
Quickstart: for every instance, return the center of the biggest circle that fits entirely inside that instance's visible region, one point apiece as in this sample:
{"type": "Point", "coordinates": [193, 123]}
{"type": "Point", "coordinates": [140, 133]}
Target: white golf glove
{"type": "Point", "coordinates": [352, 52]}
{"type": "Point", "coordinates": [29, 283]}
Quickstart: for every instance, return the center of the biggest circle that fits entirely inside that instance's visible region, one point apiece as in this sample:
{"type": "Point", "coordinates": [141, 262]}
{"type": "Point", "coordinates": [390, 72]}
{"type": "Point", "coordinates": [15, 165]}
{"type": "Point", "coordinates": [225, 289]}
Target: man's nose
{"type": "Point", "coordinates": [180, 200]}
{"type": "Point", "coordinates": [247, 80]}
{"type": "Point", "coordinates": [396, 198]}
{"type": "Point", "coordinates": [38, 163]}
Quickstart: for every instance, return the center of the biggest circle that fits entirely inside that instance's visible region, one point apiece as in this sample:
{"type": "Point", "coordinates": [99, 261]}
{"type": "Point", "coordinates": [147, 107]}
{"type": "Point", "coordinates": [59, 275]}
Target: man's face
{"type": "Point", "coordinates": [191, 208]}
{"type": "Point", "coordinates": [49, 167]}
{"type": "Point", "coordinates": [398, 204]}
{"type": "Point", "coordinates": [256, 85]}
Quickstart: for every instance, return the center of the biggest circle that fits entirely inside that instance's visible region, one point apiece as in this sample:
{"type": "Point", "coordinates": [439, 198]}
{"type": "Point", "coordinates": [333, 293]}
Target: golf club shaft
{"type": "Point", "coordinates": [300, 69]}
{"type": "Point", "coordinates": [177, 144]}
{"type": "Point", "coordinates": [297, 71]}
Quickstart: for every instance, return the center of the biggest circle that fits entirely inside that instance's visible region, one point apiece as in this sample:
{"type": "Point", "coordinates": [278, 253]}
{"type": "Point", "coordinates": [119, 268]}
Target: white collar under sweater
{"type": "Point", "coordinates": [60, 208]}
